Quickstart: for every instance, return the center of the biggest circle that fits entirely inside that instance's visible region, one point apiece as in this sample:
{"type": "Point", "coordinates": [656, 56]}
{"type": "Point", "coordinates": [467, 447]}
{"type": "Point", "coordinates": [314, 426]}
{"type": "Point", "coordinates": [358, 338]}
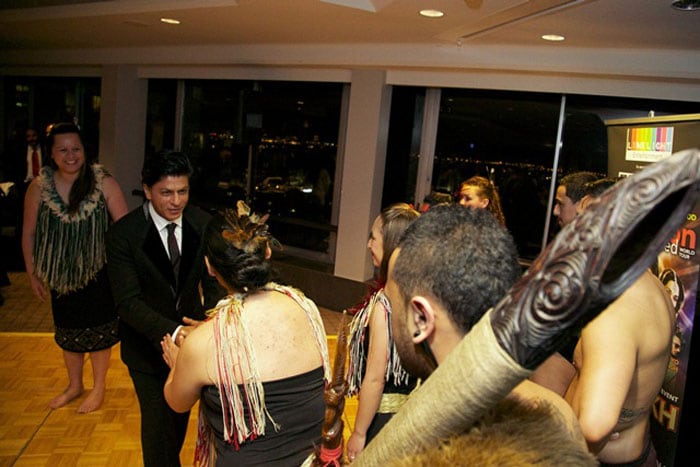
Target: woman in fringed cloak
{"type": "Point", "coordinates": [258, 364]}
{"type": "Point", "coordinates": [375, 373]}
{"type": "Point", "coordinates": [67, 211]}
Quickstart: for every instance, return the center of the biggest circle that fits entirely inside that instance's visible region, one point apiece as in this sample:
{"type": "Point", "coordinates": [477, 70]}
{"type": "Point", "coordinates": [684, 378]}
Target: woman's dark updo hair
{"type": "Point", "coordinates": [85, 183]}
{"type": "Point", "coordinates": [236, 246]}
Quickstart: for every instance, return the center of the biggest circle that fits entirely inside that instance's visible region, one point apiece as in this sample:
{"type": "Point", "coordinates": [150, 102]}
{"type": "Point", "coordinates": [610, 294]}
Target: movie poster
{"type": "Point", "coordinates": [678, 266]}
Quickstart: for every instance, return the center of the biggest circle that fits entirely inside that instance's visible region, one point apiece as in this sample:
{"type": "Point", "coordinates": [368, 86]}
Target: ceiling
{"type": "Point", "coordinates": [89, 24]}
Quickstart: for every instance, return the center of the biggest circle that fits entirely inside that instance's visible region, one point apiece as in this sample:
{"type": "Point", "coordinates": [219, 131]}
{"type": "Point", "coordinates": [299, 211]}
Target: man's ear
{"type": "Point", "coordinates": [146, 191]}
{"type": "Point", "coordinates": [583, 203]}
{"type": "Point", "coordinates": [423, 315]}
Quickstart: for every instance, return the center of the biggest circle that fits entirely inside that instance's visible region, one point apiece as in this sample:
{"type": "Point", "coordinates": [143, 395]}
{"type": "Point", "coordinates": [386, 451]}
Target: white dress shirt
{"type": "Point", "coordinates": [162, 227]}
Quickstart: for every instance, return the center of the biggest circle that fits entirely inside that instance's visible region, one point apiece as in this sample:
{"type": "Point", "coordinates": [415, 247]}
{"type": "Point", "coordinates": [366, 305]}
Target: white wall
{"type": "Point", "coordinates": [363, 172]}
{"type": "Point", "coordinates": [123, 126]}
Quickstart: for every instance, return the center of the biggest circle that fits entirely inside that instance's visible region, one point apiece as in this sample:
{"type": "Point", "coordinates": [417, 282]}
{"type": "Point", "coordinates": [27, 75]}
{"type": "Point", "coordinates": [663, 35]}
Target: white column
{"type": "Point", "coordinates": [123, 127]}
{"type": "Point", "coordinates": [363, 171]}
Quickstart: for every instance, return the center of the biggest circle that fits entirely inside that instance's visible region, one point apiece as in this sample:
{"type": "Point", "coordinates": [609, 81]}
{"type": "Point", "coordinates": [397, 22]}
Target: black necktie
{"type": "Point", "coordinates": [173, 249]}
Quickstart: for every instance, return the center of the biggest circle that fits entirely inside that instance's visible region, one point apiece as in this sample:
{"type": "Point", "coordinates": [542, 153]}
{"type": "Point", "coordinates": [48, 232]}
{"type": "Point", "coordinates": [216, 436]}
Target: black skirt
{"type": "Point", "coordinates": [86, 320]}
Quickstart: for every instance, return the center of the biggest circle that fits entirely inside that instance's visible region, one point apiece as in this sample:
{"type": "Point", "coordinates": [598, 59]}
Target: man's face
{"type": "Point", "coordinates": [31, 137]}
{"type": "Point", "coordinates": [169, 196]}
{"type": "Point", "coordinates": [564, 207]}
{"type": "Point", "coordinates": [676, 346]}
{"type": "Point", "coordinates": [413, 357]}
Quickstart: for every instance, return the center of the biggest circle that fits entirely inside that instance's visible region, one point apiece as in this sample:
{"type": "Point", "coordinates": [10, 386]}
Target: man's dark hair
{"type": "Point", "coordinates": [165, 164]}
{"type": "Point", "coordinates": [574, 184]}
{"type": "Point", "coordinates": [463, 257]}
{"type": "Point", "coordinates": [598, 187]}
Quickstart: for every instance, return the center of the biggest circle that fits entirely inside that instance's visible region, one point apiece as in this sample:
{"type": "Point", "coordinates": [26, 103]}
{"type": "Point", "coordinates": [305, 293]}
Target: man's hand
{"type": "Point", "coordinates": [189, 325]}
{"type": "Point", "coordinates": [170, 350]}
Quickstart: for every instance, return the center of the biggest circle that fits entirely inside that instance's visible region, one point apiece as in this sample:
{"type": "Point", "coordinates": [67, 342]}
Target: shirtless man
{"type": "Point", "coordinates": [621, 360]}
{"type": "Point", "coordinates": [556, 372]}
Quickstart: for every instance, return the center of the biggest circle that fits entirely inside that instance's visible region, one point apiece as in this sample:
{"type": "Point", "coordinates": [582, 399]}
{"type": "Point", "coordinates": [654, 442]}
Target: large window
{"type": "Point", "coordinates": [510, 138]}
{"type": "Point", "coordinates": [273, 144]}
{"type": "Point", "coordinates": [40, 101]}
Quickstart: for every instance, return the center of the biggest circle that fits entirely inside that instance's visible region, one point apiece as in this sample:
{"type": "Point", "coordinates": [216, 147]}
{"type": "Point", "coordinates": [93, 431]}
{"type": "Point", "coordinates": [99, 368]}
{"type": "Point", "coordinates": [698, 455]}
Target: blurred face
{"type": "Point", "coordinates": [31, 137]}
{"type": "Point", "coordinates": [68, 153]}
{"type": "Point", "coordinates": [672, 290]}
{"type": "Point", "coordinates": [676, 346]}
{"type": "Point", "coordinates": [375, 244]}
{"type": "Point", "coordinates": [469, 198]}
{"type": "Point", "coordinates": [413, 356]}
{"type": "Point", "coordinates": [564, 207]}
{"type": "Point", "coordinates": [169, 196]}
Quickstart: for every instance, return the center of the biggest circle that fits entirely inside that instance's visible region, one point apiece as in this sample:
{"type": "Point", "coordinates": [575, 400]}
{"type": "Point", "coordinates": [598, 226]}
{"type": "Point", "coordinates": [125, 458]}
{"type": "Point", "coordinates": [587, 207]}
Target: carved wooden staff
{"type": "Point", "coordinates": [331, 451]}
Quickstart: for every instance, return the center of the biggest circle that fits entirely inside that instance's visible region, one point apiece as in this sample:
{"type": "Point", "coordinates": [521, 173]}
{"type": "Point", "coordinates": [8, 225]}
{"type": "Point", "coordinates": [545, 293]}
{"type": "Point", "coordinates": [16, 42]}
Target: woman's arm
{"type": "Point", "coordinates": [116, 204]}
{"type": "Point", "coordinates": [188, 372]}
{"type": "Point", "coordinates": [373, 381]}
{"type": "Point", "coordinates": [31, 213]}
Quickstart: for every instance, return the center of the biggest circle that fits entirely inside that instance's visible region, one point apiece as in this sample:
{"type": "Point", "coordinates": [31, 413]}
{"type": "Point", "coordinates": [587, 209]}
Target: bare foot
{"type": "Point", "coordinates": [65, 397]}
{"type": "Point", "coordinates": [93, 401]}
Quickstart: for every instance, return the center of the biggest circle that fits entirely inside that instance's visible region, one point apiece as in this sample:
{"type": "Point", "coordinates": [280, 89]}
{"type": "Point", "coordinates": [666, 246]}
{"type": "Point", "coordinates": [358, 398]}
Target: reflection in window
{"type": "Point", "coordinates": [403, 146]}
{"type": "Point", "coordinates": [160, 116]}
{"type": "Point", "coordinates": [508, 138]}
{"type": "Point", "coordinates": [272, 144]}
{"type": "Point", "coordinates": [30, 101]}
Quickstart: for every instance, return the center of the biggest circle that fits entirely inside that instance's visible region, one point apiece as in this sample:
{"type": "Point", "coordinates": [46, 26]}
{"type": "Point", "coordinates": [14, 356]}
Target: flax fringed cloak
{"type": "Point", "coordinates": [69, 255]}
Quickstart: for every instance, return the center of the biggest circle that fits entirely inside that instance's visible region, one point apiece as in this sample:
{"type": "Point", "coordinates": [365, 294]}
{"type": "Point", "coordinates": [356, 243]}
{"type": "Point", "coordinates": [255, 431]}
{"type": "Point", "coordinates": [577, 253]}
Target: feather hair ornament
{"type": "Point", "coordinates": [246, 231]}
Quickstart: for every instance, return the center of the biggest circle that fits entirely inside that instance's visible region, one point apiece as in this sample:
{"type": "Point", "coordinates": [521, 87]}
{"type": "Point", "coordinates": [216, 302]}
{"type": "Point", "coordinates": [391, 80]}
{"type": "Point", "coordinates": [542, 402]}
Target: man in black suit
{"type": "Point", "coordinates": [26, 159]}
{"type": "Point", "coordinates": [156, 264]}
{"type": "Point", "coordinates": [21, 164]}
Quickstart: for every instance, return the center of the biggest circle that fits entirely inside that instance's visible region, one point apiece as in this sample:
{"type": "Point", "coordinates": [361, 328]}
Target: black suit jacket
{"type": "Point", "coordinates": [148, 301]}
{"type": "Point", "coordinates": [15, 164]}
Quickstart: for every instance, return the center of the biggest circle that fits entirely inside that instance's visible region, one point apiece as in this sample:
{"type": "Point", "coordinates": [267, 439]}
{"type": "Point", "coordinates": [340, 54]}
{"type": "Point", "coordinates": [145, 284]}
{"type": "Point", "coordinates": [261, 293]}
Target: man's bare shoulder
{"type": "Point", "coordinates": [645, 302]}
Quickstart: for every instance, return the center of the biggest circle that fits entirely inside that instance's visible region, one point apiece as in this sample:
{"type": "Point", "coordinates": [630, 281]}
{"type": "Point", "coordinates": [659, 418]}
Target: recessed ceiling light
{"type": "Point", "coordinates": [686, 5]}
{"type": "Point", "coordinates": [169, 21]}
{"type": "Point", "coordinates": [553, 37]}
{"type": "Point", "coordinates": [432, 13]}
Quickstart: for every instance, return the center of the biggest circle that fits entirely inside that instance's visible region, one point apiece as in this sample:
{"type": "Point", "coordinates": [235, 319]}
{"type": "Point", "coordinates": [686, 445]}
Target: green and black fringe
{"type": "Point", "coordinates": [69, 248]}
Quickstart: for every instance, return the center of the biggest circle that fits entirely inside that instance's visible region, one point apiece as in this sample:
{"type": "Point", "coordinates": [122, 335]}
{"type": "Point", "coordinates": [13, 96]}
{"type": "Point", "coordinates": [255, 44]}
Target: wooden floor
{"type": "Point", "coordinates": [32, 373]}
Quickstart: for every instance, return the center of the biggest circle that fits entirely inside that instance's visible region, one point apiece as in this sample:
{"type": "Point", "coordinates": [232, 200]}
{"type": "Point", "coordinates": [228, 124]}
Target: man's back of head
{"type": "Point", "coordinates": [464, 258]}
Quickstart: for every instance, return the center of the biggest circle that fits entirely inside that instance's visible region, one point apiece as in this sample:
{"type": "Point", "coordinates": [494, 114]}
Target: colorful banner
{"type": "Point", "coordinates": [649, 144]}
{"type": "Point", "coordinates": [678, 267]}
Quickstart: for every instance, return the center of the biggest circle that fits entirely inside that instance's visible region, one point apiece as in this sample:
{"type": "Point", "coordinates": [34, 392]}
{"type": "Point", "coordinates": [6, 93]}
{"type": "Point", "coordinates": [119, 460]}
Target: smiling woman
{"type": "Point", "coordinates": [67, 212]}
